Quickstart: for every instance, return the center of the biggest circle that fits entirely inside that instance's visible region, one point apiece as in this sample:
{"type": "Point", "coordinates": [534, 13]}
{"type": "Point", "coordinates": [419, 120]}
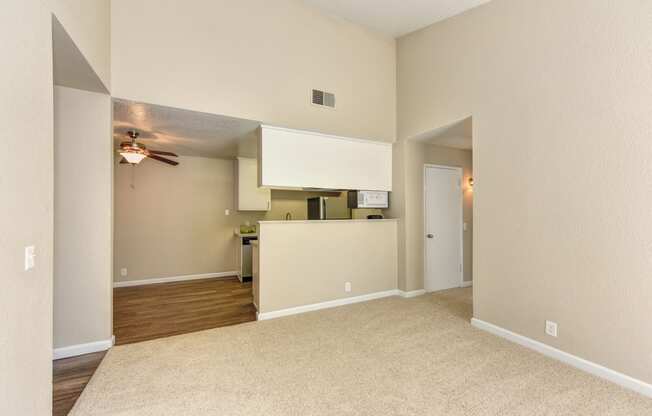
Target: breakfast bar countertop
{"type": "Point", "coordinates": [325, 221]}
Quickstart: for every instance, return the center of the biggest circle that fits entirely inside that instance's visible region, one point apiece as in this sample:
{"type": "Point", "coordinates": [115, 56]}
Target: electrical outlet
{"type": "Point", "coordinates": [123, 272]}
{"type": "Point", "coordinates": [227, 212]}
{"type": "Point", "coordinates": [347, 286]}
{"type": "Point", "coordinates": [30, 257]}
{"type": "Point", "coordinates": [551, 328]}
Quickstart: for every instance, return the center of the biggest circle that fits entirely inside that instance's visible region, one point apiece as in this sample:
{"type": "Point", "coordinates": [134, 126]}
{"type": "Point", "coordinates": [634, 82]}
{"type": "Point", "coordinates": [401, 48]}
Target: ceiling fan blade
{"type": "Point", "coordinates": [158, 152]}
{"type": "Point", "coordinates": [123, 161]}
{"type": "Point", "coordinates": [162, 159]}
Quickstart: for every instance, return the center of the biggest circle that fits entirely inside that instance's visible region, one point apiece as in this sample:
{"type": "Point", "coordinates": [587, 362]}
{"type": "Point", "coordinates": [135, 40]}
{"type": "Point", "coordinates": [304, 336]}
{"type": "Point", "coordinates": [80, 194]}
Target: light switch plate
{"type": "Point", "coordinates": [30, 257]}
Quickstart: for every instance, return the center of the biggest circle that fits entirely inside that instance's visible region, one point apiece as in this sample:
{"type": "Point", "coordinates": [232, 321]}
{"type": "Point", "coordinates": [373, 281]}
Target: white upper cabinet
{"type": "Point", "coordinates": [300, 159]}
{"type": "Point", "coordinates": [248, 196]}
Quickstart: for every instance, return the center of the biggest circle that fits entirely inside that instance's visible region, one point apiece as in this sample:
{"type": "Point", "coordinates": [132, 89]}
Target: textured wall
{"type": "Point", "coordinates": [560, 93]}
{"type": "Point", "coordinates": [255, 59]}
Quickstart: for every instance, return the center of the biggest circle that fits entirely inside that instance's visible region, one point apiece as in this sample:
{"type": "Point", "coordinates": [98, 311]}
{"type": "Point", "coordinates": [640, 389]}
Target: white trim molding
{"type": "Point", "coordinates": [467, 283]}
{"type": "Point", "coordinates": [412, 294]}
{"type": "Point", "coordinates": [325, 305]}
{"type": "Point", "coordinates": [170, 279]}
{"type": "Point", "coordinates": [597, 370]}
{"type": "Point", "coordinates": [81, 349]}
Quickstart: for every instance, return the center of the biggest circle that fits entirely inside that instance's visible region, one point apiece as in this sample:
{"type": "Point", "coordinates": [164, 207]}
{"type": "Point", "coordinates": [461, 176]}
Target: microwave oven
{"type": "Point", "coordinates": [368, 199]}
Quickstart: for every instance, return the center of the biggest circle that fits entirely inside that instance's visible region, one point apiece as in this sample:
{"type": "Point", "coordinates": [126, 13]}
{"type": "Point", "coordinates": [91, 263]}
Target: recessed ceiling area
{"type": "Point", "coordinates": [392, 17]}
{"type": "Point", "coordinates": [458, 135]}
{"type": "Point", "coordinates": [184, 132]}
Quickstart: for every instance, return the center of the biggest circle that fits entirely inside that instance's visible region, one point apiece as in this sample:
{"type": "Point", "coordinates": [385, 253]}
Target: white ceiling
{"type": "Point", "coordinates": [395, 18]}
{"type": "Point", "coordinates": [187, 133]}
{"type": "Point", "coordinates": [458, 135]}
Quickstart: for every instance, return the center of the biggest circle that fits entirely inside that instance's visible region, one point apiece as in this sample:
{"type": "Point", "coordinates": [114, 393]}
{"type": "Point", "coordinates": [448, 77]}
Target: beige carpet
{"type": "Point", "coordinates": [392, 356]}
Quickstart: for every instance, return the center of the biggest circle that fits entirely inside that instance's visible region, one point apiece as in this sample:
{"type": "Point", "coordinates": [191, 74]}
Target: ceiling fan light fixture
{"type": "Point", "coordinates": [133, 153]}
{"type": "Point", "coordinates": [133, 157]}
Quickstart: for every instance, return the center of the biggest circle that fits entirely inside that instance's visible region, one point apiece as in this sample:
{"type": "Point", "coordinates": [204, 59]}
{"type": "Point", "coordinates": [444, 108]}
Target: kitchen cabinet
{"type": "Point", "coordinates": [294, 159]}
{"type": "Point", "coordinates": [248, 195]}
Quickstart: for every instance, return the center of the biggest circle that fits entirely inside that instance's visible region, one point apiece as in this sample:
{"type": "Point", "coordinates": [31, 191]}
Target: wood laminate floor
{"type": "Point", "coordinates": [142, 313]}
{"type": "Point", "coordinates": [69, 377]}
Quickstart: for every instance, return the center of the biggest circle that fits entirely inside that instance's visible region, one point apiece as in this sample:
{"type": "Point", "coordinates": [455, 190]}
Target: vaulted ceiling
{"type": "Point", "coordinates": [395, 18]}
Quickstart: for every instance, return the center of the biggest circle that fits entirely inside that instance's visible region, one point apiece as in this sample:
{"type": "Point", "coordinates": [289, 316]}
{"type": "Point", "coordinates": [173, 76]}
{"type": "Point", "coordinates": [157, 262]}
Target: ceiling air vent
{"type": "Point", "coordinates": [324, 99]}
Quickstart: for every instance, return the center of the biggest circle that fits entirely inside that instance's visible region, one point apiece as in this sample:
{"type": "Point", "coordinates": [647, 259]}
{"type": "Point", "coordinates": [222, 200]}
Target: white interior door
{"type": "Point", "coordinates": [443, 227]}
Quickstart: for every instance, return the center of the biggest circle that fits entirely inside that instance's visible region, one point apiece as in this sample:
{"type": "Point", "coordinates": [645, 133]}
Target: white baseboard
{"type": "Point", "coordinates": [467, 283]}
{"type": "Point", "coordinates": [81, 349]}
{"type": "Point", "coordinates": [412, 294]}
{"type": "Point", "coordinates": [326, 305]}
{"type": "Point", "coordinates": [156, 280]}
{"type": "Point", "coordinates": [572, 360]}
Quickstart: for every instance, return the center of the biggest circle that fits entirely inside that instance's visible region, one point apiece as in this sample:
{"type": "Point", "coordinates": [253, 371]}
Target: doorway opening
{"type": "Point", "coordinates": [442, 161]}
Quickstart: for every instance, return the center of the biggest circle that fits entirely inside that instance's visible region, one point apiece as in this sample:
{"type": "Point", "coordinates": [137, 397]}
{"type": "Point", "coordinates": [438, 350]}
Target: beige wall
{"type": "Point", "coordinates": [397, 209]}
{"type": "Point", "coordinates": [303, 263]}
{"type": "Point", "coordinates": [174, 224]}
{"type": "Point", "coordinates": [88, 22]}
{"type": "Point", "coordinates": [83, 228]}
{"type": "Point", "coordinates": [560, 93]}
{"type": "Point", "coordinates": [255, 59]}
{"type": "Point", "coordinates": [26, 160]}
{"type": "Point", "coordinates": [26, 189]}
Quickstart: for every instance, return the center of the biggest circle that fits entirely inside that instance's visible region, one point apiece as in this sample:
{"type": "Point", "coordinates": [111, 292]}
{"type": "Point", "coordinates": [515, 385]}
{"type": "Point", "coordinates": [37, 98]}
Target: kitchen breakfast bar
{"type": "Point", "coordinates": [307, 265]}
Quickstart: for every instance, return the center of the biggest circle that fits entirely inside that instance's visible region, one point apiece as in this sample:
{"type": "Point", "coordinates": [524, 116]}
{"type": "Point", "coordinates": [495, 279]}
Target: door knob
{"type": "Point", "coordinates": [430, 235]}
